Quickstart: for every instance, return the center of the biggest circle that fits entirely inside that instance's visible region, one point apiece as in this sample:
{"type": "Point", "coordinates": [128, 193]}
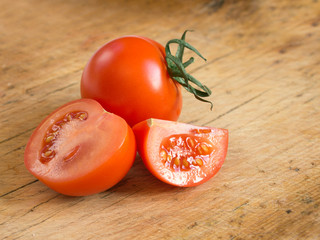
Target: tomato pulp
{"type": "Point", "coordinates": [80, 149]}
{"type": "Point", "coordinates": [128, 76]}
{"type": "Point", "coordinates": [181, 154]}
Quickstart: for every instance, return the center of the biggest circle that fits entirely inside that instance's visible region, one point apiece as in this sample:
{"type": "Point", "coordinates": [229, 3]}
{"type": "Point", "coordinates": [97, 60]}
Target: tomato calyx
{"type": "Point", "coordinates": [177, 69]}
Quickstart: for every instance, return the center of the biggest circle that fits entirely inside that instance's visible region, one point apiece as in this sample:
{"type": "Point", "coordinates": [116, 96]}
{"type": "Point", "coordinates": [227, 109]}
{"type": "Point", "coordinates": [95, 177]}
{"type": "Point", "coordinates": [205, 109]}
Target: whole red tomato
{"type": "Point", "coordinates": [130, 76]}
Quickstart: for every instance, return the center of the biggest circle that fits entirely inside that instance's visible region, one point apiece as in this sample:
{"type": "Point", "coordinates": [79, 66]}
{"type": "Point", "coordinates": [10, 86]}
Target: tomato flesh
{"type": "Point", "coordinates": [181, 154]}
{"type": "Point", "coordinates": [81, 149]}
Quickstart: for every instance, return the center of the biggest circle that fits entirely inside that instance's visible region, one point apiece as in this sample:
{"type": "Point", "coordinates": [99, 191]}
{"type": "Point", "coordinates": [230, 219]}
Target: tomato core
{"type": "Point", "coordinates": [52, 135]}
{"type": "Point", "coordinates": [184, 152]}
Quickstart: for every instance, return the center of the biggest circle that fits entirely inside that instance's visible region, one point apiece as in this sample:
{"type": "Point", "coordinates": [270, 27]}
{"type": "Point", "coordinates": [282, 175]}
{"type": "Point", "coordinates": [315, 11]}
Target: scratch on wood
{"type": "Point", "coordinates": [65, 87]}
{"type": "Point", "coordinates": [127, 196]}
{"type": "Point", "coordinates": [14, 190]}
{"type": "Point", "coordinates": [238, 106]}
{"type": "Point", "coordinates": [255, 79]}
{"type": "Point", "coordinates": [213, 61]}
{"type": "Point", "coordinates": [63, 76]}
{"type": "Point", "coordinates": [240, 206]}
{"type": "Point", "coordinates": [310, 100]}
{"type": "Point", "coordinates": [44, 220]}
{"type": "Point", "coordinates": [13, 150]}
{"type": "Point", "coordinates": [36, 206]}
{"type": "Point", "coordinates": [22, 230]}
{"type": "Point", "coordinates": [194, 224]}
{"type": "Point", "coordinates": [18, 135]}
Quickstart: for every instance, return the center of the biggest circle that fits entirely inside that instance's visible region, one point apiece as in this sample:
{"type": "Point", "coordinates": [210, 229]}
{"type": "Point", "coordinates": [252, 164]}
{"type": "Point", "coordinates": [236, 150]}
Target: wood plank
{"type": "Point", "coordinates": [263, 68]}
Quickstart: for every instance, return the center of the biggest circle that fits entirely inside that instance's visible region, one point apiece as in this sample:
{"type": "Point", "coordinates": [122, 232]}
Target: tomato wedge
{"type": "Point", "coordinates": [181, 154]}
{"type": "Point", "coordinates": [80, 149]}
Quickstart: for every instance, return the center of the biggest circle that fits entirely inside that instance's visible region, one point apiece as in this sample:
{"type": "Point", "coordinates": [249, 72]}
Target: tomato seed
{"type": "Point", "coordinates": [49, 138]}
{"type": "Point", "coordinates": [205, 130]}
{"type": "Point", "coordinates": [205, 148]}
{"type": "Point", "coordinates": [69, 117]}
{"type": "Point", "coordinates": [83, 116]}
{"type": "Point", "coordinates": [191, 143]}
{"type": "Point", "coordinates": [176, 161]}
{"type": "Point", "coordinates": [199, 131]}
{"type": "Point", "coordinates": [200, 151]}
{"type": "Point", "coordinates": [48, 153]}
{"type": "Point", "coordinates": [163, 154]}
{"type": "Point", "coordinates": [185, 163]}
{"type": "Point", "coordinates": [199, 162]}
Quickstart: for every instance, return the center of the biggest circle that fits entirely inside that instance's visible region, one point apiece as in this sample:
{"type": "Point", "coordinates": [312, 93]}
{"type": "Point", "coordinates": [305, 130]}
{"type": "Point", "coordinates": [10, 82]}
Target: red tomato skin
{"type": "Point", "coordinates": [148, 146]}
{"type": "Point", "coordinates": [103, 175]}
{"type": "Point", "coordinates": [128, 76]}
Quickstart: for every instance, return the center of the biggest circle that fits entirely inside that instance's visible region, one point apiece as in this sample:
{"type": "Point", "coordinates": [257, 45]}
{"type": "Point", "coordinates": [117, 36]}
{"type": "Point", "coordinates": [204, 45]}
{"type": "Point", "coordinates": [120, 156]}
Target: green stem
{"type": "Point", "coordinates": [177, 71]}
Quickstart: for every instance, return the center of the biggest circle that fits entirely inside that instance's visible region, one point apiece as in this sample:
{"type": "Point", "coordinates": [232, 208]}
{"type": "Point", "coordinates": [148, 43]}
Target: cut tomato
{"type": "Point", "coordinates": [181, 154]}
{"type": "Point", "coordinates": [81, 149]}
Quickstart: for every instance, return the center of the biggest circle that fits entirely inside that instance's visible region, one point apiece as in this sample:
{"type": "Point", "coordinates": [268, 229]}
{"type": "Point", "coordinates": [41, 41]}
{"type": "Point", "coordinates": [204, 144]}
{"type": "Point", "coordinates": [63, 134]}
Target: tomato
{"type": "Point", "coordinates": [80, 149]}
{"type": "Point", "coordinates": [128, 76]}
{"type": "Point", "coordinates": [181, 154]}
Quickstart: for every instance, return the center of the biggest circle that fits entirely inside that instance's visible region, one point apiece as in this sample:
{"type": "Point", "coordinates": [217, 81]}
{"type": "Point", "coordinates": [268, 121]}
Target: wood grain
{"type": "Point", "coordinates": [263, 68]}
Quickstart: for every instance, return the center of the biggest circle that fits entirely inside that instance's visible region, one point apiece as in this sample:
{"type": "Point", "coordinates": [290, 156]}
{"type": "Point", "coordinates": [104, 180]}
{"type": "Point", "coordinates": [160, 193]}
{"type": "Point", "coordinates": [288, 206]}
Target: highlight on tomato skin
{"type": "Point", "coordinates": [80, 149]}
{"type": "Point", "coordinates": [181, 154]}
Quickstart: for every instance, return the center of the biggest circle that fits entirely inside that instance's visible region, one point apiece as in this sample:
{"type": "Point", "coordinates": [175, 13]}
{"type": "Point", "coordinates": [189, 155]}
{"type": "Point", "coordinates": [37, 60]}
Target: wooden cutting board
{"type": "Point", "coordinates": [263, 66]}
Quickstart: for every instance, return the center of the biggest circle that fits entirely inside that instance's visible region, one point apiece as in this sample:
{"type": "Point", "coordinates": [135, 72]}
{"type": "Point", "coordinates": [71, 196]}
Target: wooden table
{"type": "Point", "coordinates": [263, 68]}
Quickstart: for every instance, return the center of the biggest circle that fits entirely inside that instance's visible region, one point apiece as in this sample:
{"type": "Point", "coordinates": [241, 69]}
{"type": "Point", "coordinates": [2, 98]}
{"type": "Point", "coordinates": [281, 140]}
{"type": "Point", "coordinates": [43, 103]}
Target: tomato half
{"type": "Point", "coordinates": [128, 76]}
{"type": "Point", "coordinates": [80, 149]}
{"type": "Point", "coordinates": [181, 154]}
